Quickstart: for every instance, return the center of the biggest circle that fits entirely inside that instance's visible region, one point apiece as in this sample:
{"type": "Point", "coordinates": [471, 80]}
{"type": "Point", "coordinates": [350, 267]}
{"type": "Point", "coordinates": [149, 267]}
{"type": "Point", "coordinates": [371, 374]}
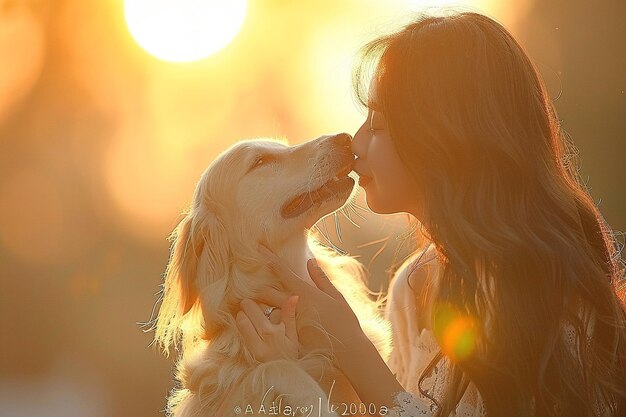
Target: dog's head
{"type": "Point", "coordinates": [278, 189]}
{"type": "Point", "coordinates": [257, 190]}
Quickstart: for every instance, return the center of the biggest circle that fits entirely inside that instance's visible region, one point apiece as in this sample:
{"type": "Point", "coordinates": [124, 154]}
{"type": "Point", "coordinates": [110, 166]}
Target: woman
{"type": "Point", "coordinates": [462, 135]}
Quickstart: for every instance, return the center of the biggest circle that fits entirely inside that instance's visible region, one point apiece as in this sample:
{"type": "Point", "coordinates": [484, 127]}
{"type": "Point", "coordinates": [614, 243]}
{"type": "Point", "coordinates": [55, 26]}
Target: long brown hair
{"type": "Point", "coordinates": [524, 251]}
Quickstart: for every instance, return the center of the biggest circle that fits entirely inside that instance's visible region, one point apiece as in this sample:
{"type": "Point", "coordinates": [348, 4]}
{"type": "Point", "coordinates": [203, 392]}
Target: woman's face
{"type": "Point", "coordinates": [388, 185]}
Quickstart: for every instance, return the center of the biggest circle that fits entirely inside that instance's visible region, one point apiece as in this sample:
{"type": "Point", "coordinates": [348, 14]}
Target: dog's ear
{"type": "Point", "coordinates": [186, 253]}
{"type": "Point", "coordinates": [199, 257]}
{"type": "Point", "coordinates": [200, 254]}
{"type": "Point", "coordinates": [213, 270]}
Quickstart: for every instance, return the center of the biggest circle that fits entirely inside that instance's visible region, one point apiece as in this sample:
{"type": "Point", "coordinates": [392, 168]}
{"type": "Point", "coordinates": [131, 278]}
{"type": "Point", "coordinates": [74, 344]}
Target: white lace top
{"type": "Point", "coordinates": [413, 349]}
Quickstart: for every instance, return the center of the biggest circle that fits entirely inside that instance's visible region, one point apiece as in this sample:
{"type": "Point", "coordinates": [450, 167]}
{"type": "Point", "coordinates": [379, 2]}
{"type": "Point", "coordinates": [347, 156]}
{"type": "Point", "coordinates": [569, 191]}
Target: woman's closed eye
{"type": "Point", "coordinates": [377, 122]}
{"type": "Point", "coordinates": [374, 129]}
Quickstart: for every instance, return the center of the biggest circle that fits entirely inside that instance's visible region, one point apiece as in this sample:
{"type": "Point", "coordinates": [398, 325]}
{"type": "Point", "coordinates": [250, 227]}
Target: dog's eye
{"type": "Point", "coordinates": [262, 160]}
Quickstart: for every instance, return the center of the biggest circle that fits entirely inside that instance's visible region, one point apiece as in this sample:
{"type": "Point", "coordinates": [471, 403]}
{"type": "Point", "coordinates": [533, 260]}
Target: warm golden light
{"type": "Point", "coordinates": [22, 53]}
{"type": "Point", "coordinates": [456, 331]}
{"type": "Point", "coordinates": [184, 30]}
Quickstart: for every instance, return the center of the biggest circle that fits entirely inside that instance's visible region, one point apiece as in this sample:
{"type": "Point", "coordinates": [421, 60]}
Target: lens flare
{"type": "Point", "coordinates": [456, 331]}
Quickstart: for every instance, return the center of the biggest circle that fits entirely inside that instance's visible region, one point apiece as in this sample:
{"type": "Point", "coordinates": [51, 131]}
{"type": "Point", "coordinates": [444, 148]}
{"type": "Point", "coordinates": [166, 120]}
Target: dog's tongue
{"type": "Point", "coordinates": [305, 201]}
{"type": "Point", "coordinates": [297, 206]}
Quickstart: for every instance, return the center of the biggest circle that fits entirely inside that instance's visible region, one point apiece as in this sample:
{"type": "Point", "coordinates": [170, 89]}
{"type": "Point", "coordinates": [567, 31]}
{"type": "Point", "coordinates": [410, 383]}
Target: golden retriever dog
{"type": "Point", "coordinates": [259, 191]}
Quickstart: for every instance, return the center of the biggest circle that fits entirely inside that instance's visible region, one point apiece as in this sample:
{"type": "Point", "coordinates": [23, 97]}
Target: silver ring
{"type": "Point", "coordinates": [268, 311]}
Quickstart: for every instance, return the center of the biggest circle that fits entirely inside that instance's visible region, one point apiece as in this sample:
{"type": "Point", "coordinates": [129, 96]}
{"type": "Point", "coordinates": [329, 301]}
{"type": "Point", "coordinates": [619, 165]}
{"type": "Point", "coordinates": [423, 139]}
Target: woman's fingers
{"type": "Point", "coordinates": [256, 316]}
{"type": "Point", "coordinates": [249, 333]}
{"type": "Point", "coordinates": [276, 316]}
{"type": "Point", "coordinates": [321, 280]}
{"type": "Point", "coordinates": [271, 296]}
{"type": "Point", "coordinates": [288, 314]}
{"type": "Point", "coordinates": [293, 283]}
{"type": "Point", "coordinates": [335, 314]}
{"type": "Point", "coordinates": [267, 341]}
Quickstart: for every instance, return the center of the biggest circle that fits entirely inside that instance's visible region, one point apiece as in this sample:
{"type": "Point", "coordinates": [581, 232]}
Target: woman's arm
{"type": "Point", "coordinates": [354, 353]}
{"type": "Point", "coordinates": [368, 373]}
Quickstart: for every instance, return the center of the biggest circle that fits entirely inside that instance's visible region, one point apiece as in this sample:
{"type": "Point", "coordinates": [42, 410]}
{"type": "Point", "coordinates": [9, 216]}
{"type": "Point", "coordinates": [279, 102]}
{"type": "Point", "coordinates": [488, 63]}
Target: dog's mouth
{"type": "Point", "coordinates": [331, 188]}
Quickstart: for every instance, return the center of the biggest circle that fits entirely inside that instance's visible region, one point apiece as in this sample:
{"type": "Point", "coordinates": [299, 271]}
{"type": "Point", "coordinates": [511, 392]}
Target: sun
{"type": "Point", "coordinates": [184, 30]}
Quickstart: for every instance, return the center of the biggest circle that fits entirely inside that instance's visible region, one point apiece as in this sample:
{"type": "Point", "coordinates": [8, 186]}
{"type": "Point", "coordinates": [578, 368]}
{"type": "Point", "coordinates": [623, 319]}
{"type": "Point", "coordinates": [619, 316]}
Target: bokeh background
{"type": "Point", "coordinates": [101, 145]}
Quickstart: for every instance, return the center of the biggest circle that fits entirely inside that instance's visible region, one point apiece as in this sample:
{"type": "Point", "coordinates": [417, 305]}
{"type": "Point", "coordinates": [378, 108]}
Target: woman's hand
{"type": "Point", "coordinates": [335, 314]}
{"type": "Point", "coordinates": [265, 340]}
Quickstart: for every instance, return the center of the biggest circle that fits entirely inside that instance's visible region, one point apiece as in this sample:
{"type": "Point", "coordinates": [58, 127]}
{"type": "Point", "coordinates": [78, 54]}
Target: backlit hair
{"type": "Point", "coordinates": [523, 249]}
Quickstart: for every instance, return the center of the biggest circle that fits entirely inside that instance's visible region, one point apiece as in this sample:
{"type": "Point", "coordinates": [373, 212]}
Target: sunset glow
{"type": "Point", "coordinates": [111, 110]}
{"type": "Point", "coordinates": [184, 30]}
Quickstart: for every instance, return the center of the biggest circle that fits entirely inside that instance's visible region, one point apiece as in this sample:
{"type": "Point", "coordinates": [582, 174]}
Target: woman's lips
{"type": "Point", "coordinates": [364, 180]}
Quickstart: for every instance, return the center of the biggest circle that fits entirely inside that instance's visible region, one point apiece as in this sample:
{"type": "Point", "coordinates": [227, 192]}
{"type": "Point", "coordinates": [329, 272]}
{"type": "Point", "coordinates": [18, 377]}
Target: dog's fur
{"type": "Point", "coordinates": [214, 264]}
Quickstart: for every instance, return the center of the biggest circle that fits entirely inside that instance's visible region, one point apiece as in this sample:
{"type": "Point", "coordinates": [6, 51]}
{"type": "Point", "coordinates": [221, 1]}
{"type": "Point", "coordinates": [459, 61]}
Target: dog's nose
{"type": "Point", "coordinates": [343, 140]}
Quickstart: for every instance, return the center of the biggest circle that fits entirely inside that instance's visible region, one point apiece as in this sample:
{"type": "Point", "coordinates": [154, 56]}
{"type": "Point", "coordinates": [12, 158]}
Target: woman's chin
{"type": "Point", "coordinates": [383, 205]}
{"type": "Point", "coordinates": [375, 207]}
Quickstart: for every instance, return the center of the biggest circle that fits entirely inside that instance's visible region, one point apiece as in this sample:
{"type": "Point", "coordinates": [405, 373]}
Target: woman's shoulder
{"type": "Point", "coordinates": [408, 287]}
{"type": "Point", "coordinates": [416, 269]}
